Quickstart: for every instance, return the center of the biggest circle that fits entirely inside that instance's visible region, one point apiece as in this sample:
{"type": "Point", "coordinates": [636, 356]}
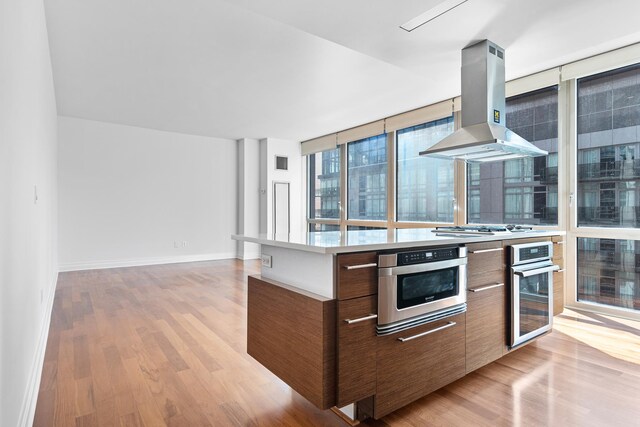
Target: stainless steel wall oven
{"type": "Point", "coordinates": [420, 286]}
{"type": "Point", "coordinates": [531, 290]}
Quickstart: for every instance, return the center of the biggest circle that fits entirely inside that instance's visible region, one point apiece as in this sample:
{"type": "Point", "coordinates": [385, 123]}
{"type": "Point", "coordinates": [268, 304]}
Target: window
{"type": "Point", "coordinates": [367, 178]}
{"type": "Point", "coordinates": [608, 171]}
{"type": "Point", "coordinates": [363, 228]}
{"type": "Point", "coordinates": [323, 227]}
{"type": "Point", "coordinates": [607, 272]}
{"type": "Point", "coordinates": [520, 191]}
{"type": "Point", "coordinates": [424, 185]}
{"type": "Point", "coordinates": [324, 185]}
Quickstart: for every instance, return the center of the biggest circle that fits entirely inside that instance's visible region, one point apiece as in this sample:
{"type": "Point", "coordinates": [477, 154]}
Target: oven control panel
{"type": "Point", "coordinates": [530, 252]}
{"type": "Point", "coordinates": [534, 252]}
{"type": "Point", "coordinates": [427, 255]}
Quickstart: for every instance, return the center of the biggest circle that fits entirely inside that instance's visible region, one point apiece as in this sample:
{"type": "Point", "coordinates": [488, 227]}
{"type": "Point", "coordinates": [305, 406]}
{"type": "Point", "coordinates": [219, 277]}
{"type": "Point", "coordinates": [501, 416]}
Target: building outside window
{"type": "Point", "coordinates": [520, 191]}
{"type": "Point", "coordinates": [608, 148]}
{"type": "Point", "coordinates": [324, 185]}
{"type": "Point", "coordinates": [367, 178]}
{"type": "Point", "coordinates": [608, 181]}
{"type": "Point", "coordinates": [424, 185]}
{"type": "Point", "coordinates": [607, 272]}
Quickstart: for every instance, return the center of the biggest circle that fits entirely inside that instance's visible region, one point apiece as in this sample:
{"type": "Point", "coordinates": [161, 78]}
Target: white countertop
{"type": "Point", "coordinates": [334, 242]}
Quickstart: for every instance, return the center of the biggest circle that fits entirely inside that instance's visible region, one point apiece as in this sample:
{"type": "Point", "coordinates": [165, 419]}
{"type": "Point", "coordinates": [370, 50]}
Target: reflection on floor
{"type": "Point", "coordinates": [165, 345]}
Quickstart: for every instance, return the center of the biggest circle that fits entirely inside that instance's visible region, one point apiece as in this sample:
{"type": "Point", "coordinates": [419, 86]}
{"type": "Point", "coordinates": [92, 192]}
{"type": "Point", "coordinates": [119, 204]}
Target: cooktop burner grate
{"type": "Point", "coordinates": [483, 229]}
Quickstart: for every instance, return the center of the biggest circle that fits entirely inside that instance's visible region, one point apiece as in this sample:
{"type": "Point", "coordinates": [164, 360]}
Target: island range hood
{"type": "Point", "coordinates": [483, 136]}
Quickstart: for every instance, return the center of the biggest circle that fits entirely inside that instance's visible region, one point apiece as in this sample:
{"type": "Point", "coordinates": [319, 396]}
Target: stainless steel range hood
{"type": "Point", "coordinates": [483, 136]}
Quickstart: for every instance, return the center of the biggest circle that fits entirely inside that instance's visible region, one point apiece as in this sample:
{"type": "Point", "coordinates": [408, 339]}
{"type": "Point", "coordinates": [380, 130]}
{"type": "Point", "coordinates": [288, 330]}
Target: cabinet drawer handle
{"type": "Point", "coordinates": [481, 251]}
{"type": "Point", "coordinates": [486, 288]}
{"type": "Point", "coordinates": [448, 325]}
{"type": "Point", "coordinates": [361, 319]}
{"type": "Point", "coordinates": [358, 266]}
{"type": "Point", "coordinates": [559, 271]}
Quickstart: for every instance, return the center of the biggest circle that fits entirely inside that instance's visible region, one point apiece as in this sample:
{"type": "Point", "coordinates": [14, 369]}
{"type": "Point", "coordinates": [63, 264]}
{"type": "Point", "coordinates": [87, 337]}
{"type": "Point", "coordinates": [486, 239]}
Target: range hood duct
{"type": "Point", "coordinates": [483, 136]}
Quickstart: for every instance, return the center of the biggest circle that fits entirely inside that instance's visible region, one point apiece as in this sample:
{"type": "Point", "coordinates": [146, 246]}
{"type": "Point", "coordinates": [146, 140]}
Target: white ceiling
{"type": "Point", "coordinates": [297, 69]}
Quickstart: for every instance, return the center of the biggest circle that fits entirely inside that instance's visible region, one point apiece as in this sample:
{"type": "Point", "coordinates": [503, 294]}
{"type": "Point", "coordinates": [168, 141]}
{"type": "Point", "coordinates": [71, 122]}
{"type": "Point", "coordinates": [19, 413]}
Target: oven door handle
{"type": "Point", "coordinates": [534, 271]}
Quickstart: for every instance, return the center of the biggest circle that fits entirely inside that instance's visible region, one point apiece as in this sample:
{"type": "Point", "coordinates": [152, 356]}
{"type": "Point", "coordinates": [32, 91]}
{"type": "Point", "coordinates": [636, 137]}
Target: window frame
{"type": "Point", "coordinates": [573, 231]}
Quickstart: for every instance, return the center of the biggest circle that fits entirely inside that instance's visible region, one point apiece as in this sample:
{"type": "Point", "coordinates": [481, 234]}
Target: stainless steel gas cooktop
{"type": "Point", "coordinates": [482, 230]}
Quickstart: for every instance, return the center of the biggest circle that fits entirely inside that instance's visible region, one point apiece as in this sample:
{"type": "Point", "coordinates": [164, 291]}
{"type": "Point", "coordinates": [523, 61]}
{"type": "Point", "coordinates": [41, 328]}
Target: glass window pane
{"type": "Point", "coordinates": [608, 272]}
{"type": "Point", "coordinates": [424, 185]}
{"type": "Point", "coordinates": [323, 227]}
{"type": "Point", "coordinates": [367, 178]}
{"type": "Point", "coordinates": [608, 144]}
{"type": "Point", "coordinates": [363, 228]}
{"type": "Point", "coordinates": [324, 184]}
{"type": "Point", "coordinates": [520, 191]}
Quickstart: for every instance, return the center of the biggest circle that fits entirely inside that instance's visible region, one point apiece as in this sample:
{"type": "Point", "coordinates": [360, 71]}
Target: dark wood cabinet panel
{"type": "Point", "coordinates": [478, 275]}
{"type": "Point", "coordinates": [357, 275]}
{"type": "Point", "coordinates": [356, 370]}
{"type": "Point", "coordinates": [486, 325]}
{"type": "Point", "coordinates": [558, 292]}
{"type": "Point", "coordinates": [483, 246]}
{"type": "Point", "coordinates": [485, 263]}
{"type": "Point", "coordinates": [558, 277]}
{"type": "Point", "coordinates": [293, 334]}
{"type": "Point", "coordinates": [410, 369]}
{"type": "Point", "coordinates": [487, 305]}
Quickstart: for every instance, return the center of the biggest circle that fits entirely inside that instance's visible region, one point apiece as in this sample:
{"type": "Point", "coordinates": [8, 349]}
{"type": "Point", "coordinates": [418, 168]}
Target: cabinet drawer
{"type": "Point", "coordinates": [357, 275]}
{"type": "Point", "coordinates": [485, 264]}
{"type": "Point", "coordinates": [486, 325]}
{"type": "Point", "coordinates": [484, 247]}
{"type": "Point", "coordinates": [558, 292]}
{"type": "Point", "coordinates": [479, 275]}
{"type": "Point", "coordinates": [356, 349]}
{"type": "Point", "coordinates": [410, 369]}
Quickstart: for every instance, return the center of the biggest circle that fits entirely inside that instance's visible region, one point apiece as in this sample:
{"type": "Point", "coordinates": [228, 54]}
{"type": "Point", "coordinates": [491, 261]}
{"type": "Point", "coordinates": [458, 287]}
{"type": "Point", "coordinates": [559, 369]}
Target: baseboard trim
{"type": "Point", "coordinates": [249, 255]}
{"type": "Point", "coordinates": [96, 265]}
{"type": "Point", "coordinates": [28, 411]}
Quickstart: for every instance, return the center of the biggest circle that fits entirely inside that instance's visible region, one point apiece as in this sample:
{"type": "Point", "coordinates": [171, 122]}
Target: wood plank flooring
{"type": "Point", "coordinates": [165, 345]}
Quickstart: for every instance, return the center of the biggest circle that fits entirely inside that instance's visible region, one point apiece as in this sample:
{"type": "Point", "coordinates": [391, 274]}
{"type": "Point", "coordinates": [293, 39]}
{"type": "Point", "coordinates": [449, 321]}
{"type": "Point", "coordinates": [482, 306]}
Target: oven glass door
{"type": "Point", "coordinates": [427, 286]}
{"type": "Point", "coordinates": [532, 298]}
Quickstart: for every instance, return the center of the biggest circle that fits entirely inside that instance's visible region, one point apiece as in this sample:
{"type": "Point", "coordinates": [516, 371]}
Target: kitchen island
{"type": "Point", "coordinates": [312, 315]}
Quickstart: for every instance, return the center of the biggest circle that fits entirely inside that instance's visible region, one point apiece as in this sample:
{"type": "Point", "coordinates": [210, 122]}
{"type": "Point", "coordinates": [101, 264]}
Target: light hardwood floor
{"type": "Point", "coordinates": [165, 345]}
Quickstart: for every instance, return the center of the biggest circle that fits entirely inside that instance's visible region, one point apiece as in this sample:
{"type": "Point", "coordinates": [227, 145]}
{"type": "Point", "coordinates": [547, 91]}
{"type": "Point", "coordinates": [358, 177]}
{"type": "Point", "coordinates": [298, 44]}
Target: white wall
{"type": "Point", "coordinates": [248, 195]}
{"type": "Point", "coordinates": [127, 194]}
{"type": "Point", "coordinates": [28, 158]}
{"type": "Point", "coordinates": [269, 149]}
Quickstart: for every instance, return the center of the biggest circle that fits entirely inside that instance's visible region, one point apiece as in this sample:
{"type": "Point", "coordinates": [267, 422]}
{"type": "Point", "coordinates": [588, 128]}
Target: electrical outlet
{"type": "Point", "coordinates": [35, 194]}
{"type": "Point", "coordinates": [184, 243]}
{"type": "Point", "coordinates": [266, 261]}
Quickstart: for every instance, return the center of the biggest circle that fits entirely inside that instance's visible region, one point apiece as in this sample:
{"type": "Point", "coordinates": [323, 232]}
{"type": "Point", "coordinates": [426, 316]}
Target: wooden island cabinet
{"type": "Point", "coordinates": [328, 350]}
{"type": "Point", "coordinates": [418, 361]}
{"type": "Point", "coordinates": [487, 300]}
{"type": "Point", "coordinates": [357, 288]}
{"type": "Point", "coordinates": [558, 276]}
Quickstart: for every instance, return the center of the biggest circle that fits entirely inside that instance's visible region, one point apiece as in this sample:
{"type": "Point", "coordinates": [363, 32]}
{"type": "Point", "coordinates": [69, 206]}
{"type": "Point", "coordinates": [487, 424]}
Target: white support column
{"type": "Point", "coordinates": [248, 195]}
